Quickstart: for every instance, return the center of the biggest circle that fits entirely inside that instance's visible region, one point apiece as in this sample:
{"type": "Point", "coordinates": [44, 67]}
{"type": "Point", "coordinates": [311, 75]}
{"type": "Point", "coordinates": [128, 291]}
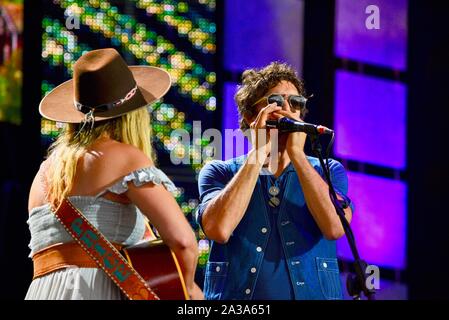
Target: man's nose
{"type": "Point", "coordinates": [286, 106]}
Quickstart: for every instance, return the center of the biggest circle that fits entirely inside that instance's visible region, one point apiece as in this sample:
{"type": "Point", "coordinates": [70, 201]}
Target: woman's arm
{"type": "Point", "coordinates": [164, 213]}
{"type": "Point", "coordinates": [162, 210]}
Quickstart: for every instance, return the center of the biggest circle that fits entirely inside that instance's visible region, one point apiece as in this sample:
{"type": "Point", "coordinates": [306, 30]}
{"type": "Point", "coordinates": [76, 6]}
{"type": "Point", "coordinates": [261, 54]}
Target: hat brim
{"type": "Point", "coordinates": [152, 82]}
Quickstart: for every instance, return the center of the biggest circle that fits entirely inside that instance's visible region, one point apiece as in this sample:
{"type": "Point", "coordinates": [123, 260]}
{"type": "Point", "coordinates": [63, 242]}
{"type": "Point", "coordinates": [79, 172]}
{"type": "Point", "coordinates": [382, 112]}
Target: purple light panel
{"type": "Point", "coordinates": [258, 32]}
{"type": "Point", "coordinates": [231, 121]}
{"type": "Point", "coordinates": [386, 46]}
{"type": "Point", "coordinates": [379, 221]}
{"type": "Point", "coordinates": [230, 113]}
{"type": "Point", "coordinates": [370, 120]}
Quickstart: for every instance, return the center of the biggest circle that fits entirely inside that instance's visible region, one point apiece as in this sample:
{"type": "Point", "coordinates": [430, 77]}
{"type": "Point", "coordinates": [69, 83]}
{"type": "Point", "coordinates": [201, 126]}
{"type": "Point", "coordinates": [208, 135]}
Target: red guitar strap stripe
{"type": "Point", "coordinates": [105, 255]}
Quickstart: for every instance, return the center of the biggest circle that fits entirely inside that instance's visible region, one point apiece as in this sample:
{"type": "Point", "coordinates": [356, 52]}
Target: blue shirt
{"type": "Point", "coordinates": [244, 267]}
{"type": "Point", "coordinates": [273, 282]}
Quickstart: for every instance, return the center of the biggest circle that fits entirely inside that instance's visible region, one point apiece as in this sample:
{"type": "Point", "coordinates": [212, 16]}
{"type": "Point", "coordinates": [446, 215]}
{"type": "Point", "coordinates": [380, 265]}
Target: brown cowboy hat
{"type": "Point", "coordinates": [104, 86]}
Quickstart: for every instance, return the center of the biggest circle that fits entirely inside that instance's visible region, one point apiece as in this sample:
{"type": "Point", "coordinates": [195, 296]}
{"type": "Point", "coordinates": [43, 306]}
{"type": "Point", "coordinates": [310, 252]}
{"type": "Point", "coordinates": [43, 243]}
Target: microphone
{"type": "Point", "coordinates": [289, 125]}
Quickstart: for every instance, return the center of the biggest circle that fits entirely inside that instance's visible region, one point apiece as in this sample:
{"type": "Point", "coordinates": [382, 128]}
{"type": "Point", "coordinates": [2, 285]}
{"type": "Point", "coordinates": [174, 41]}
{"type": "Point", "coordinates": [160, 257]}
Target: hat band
{"type": "Point", "coordinates": [107, 106]}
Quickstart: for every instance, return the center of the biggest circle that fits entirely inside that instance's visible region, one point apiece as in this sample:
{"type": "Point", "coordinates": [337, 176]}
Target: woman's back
{"type": "Point", "coordinates": [99, 188]}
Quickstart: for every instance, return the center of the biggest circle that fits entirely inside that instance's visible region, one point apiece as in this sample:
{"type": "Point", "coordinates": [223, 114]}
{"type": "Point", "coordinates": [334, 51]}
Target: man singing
{"type": "Point", "coordinates": [273, 226]}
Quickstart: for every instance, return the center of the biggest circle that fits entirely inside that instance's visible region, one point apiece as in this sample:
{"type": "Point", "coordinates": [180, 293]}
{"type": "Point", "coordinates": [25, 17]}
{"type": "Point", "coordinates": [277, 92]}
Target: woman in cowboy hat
{"type": "Point", "coordinates": [102, 162]}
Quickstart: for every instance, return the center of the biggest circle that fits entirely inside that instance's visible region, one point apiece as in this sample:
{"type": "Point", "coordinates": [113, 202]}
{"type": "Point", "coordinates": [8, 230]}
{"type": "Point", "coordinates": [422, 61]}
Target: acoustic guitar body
{"type": "Point", "coordinates": [158, 266]}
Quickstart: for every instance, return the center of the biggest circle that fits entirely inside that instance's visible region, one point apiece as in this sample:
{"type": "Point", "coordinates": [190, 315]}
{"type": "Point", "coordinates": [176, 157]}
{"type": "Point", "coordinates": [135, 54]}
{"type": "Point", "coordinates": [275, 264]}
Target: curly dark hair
{"type": "Point", "coordinates": [257, 82]}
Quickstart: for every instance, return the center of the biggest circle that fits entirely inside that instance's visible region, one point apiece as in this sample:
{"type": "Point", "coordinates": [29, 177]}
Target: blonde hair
{"type": "Point", "coordinates": [132, 128]}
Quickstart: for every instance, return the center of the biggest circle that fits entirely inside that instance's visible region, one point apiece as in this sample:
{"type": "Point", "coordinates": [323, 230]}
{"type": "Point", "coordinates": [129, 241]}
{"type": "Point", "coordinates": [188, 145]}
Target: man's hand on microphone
{"type": "Point", "coordinates": [259, 123]}
{"type": "Point", "coordinates": [295, 140]}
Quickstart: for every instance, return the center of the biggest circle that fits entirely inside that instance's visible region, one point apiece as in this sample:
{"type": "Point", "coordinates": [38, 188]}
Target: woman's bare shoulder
{"type": "Point", "coordinates": [119, 158]}
{"type": "Point", "coordinates": [37, 195]}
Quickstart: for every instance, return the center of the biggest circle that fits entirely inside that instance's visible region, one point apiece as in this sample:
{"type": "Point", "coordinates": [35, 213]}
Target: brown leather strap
{"type": "Point", "coordinates": [60, 256]}
{"type": "Point", "coordinates": [106, 256]}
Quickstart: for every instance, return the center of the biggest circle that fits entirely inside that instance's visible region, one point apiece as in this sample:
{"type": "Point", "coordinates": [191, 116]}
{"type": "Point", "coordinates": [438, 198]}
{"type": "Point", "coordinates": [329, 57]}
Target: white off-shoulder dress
{"type": "Point", "coordinates": [120, 223]}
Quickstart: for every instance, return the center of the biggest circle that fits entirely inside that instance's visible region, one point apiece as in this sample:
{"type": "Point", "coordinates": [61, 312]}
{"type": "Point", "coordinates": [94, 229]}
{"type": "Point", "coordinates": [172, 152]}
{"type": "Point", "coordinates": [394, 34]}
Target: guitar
{"type": "Point", "coordinates": [159, 267]}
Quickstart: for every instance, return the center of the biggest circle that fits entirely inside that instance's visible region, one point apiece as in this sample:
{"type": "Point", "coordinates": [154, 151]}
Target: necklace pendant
{"type": "Point", "coordinates": [274, 202]}
{"type": "Point", "coordinates": [274, 191]}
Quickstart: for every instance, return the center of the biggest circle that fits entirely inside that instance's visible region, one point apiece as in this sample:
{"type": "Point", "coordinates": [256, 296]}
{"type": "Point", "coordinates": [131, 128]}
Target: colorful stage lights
{"type": "Point", "coordinates": [105, 23]}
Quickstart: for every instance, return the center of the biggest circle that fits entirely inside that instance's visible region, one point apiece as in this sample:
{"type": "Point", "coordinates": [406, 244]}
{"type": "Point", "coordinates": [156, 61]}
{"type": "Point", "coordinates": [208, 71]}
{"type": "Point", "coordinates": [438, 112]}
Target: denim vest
{"type": "Point", "coordinates": [232, 269]}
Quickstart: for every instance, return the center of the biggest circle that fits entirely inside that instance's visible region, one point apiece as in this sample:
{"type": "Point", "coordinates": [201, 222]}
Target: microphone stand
{"type": "Point", "coordinates": [354, 284]}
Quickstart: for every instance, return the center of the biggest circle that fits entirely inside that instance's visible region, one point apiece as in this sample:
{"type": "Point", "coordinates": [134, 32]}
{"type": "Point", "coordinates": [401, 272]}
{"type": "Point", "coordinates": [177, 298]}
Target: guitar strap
{"type": "Point", "coordinates": [105, 255]}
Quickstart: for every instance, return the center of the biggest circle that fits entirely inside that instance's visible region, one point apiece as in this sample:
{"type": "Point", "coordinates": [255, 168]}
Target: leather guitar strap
{"type": "Point", "coordinates": [105, 255]}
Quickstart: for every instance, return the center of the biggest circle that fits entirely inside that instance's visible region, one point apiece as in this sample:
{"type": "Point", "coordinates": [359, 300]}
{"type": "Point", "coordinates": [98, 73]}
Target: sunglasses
{"type": "Point", "coordinates": [296, 101]}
